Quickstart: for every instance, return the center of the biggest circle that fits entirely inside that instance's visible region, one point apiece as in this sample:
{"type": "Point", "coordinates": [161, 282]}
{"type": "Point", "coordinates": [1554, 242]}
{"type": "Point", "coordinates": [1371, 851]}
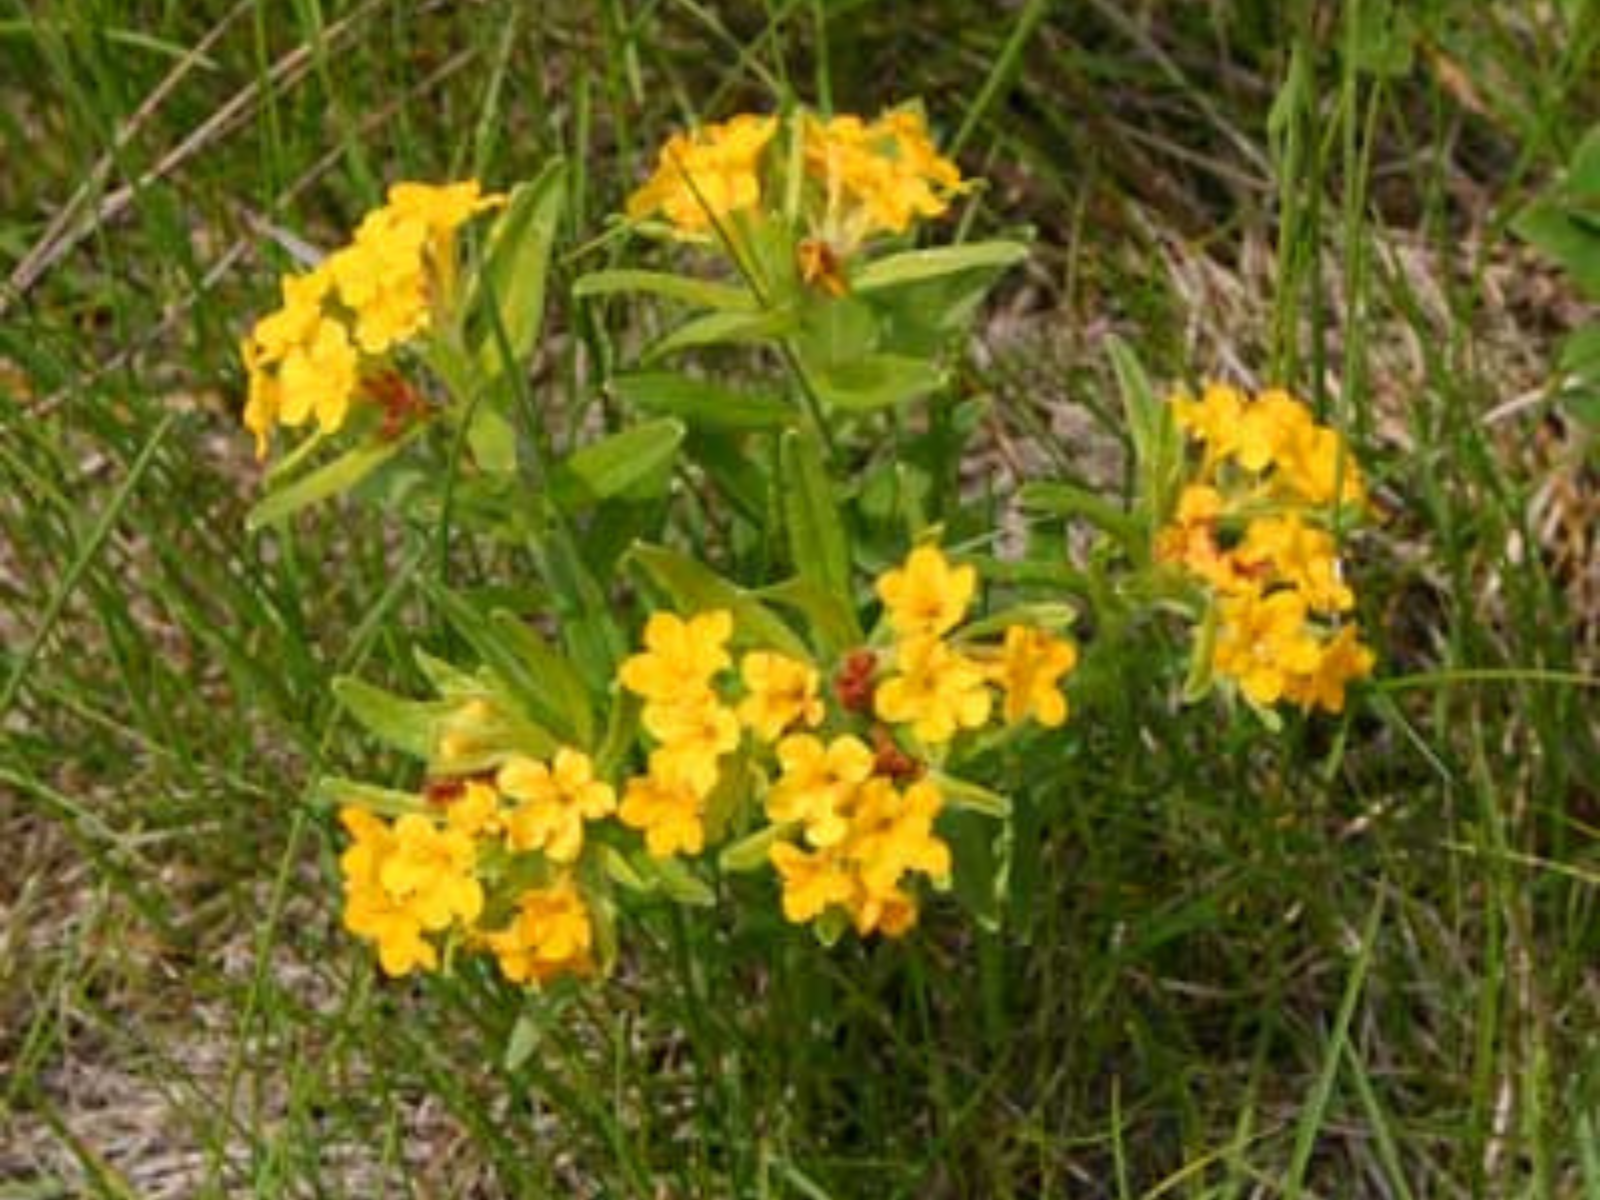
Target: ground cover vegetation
{"type": "Point", "coordinates": [810, 599]}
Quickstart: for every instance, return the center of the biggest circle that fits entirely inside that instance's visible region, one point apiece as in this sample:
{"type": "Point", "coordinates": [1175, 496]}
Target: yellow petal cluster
{"type": "Point", "coordinates": [550, 935]}
{"type": "Point", "coordinates": [938, 690]}
{"type": "Point", "coordinates": [876, 176]}
{"type": "Point", "coordinates": [405, 881]}
{"type": "Point", "coordinates": [1252, 527]}
{"type": "Point", "coordinates": [307, 358]}
{"type": "Point", "coordinates": [704, 175]}
{"type": "Point", "coordinates": [886, 834]}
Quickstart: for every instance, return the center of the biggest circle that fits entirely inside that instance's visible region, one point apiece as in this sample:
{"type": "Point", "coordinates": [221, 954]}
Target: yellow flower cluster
{"type": "Point", "coordinates": [1252, 527]}
{"type": "Point", "coordinates": [501, 852]}
{"type": "Point", "coordinates": [704, 175]}
{"type": "Point", "coordinates": [864, 177]}
{"type": "Point", "coordinates": [877, 176]}
{"type": "Point", "coordinates": [432, 875]}
{"type": "Point", "coordinates": [338, 320]}
{"type": "Point", "coordinates": [854, 833]}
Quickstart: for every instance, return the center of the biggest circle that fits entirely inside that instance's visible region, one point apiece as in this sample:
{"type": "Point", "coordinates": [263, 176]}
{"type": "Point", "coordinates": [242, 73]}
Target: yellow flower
{"type": "Point", "coordinates": [303, 360]}
{"type": "Point", "coordinates": [1341, 660]}
{"type": "Point", "coordinates": [430, 870]}
{"type": "Point", "coordinates": [1265, 644]}
{"type": "Point", "coordinates": [318, 378]}
{"type": "Point", "coordinates": [668, 811]}
{"type": "Point", "coordinates": [1300, 555]}
{"type": "Point", "coordinates": [891, 834]}
{"type": "Point", "coordinates": [1316, 467]}
{"type": "Point", "coordinates": [680, 657]}
{"type": "Point", "coordinates": [926, 596]}
{"type": "Point", "coordinates": [937, 691]}
{"type": "Point", "coordinates": [370, 911]}
{"type": "Point", "coordinates": [693, 735]}
{"type": "Point", "coordinates": [476, 811]}
{"type": "Point", "coordinates": [556, 800]}
{"type": "Point", "coordinates": [780, 692]}
{"type": "Point", "coordinates": [817, 784]}
{"type": "Point", "coordinates": [1213, 419]}
{"type": "Point", "coordinates": [812, 883]}
{"type": "Point", "coordinates": [1031, 664]}
{"type": "Point", "coordinates": [704, 175]}
{"type": "Point", "coordinates": [876, 177]}
{"type": "Point", "coordinates": [550, 935]}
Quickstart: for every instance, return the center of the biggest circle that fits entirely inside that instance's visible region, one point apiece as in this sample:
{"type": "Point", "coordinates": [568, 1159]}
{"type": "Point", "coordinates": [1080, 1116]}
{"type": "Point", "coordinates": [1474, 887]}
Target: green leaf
{"type": "Point", "coordinates": [448, 680]}
{"type": "Point", "coordinates": [698, 292]}
{"type": "Point", "coordinates": [1555, 232]}
{"type": "Point", "coordinates": [981, 854]}
{"type": "Point", "coordinates": [1583, 175]}
{"type": "Point", "coordinates": [832, 618]}
{"type": "Point", "coordinates": [702, 403]}
{"type": "Point", "coordinates": [1065, 500]}
{"type": "Point", "coordinates": [407, 725]}
{"type": "Point", "coordinates": [837, 332]}
{"type": "Point", "coordinates": [877, 381]}
{"type": "Point", "coordinates": [1580, 353]}
{"type": "Point", "coordinates": [517, 265]}
{"type": "Point", "coordinates": [676, 881]}
{"type": "Point", "coordinates": [971, 797]}
{"type": "Point", "coordinates": [750, 853]}
{"type": "Point", "coordinates": [723, 329]}
{"type": "Point", "coordinates": [919, 266]}
{"type": "Point", "coordinates": [1158, 450]}
{"type": "Point", "coordinates": [333, 791]}
{"type": "Point", "coordinates": [552, 709]}
{"type": "Point", "coordinates": [695, 588]}
{"type": "Point", "coordinates": [818, 546]}
{"type": "Point", "coordinates": [330, 479]}
{"type": "Point", "coordinates": [1050, 616]}
{"type": "Point", "coordinates": [524, 1040]}
{"type": "Point", "coordinates": [493, 440]}
{"type": "Point", "coordinates": [560, 683]}
{"type": "Point", "coordinates": [1197, 683]}
{"type": "Point", "coordinates": [636, 464]}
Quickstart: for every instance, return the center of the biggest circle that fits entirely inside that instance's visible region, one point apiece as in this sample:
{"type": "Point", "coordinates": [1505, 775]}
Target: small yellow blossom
{"type": "Point", "coordinates": [891, 834]}
{"type": "Point", "coordinates": [1031, 665]}
{"type": "Point", "coordinates": [817, 784]}
{"type": "Point", "coordinates": [1300, 555]}
{"type": "Point", "coordinates": [1341, 660]}
{"type": "Point", "coordinates": [812, 882]}
{"type": "Point", "coordinates": [876, 177]}
{"type": "Point", "coordinates": [669, 812]}
{"type": "Point", "coordinates": [1264, 643]}
{"type": "Point", "coordinates": [704, 175]}
{"type": "Point", "coordinates": [550, 935]}
{"type": "Point", "coordinates": [430, 869]}
{"type": "Point", "coordinates": [555, 801]}
{"type": "Point", "coordinates": [680, 657]}
{"type": "Point", "coordinates": [780, 692]}
{"type": "Point", "coordinates": [476, 811]}
{"type": "Point", "coordinates": [370, 911]}
{"type": "Point", "coordinates": [937, 691]}
{"type": "Point", "coordinates": [926, 597]}
{"type": "Point", "coordinates": [693, 736]}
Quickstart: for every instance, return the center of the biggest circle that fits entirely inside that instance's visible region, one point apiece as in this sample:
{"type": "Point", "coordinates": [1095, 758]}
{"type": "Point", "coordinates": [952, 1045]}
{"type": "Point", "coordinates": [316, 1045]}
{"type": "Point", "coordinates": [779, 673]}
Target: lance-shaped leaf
{"type": "Point", "coordinates": [818, 545]}
{"type": "Point", "coordinates": [702, 403]}
{"type": "Point", "coordinates": [408, 725]}
{"type": "Point", "coordinates": [540, 681]}
{"type": "Point", "coordinates": [636, 464]}
{"type": "Point", "coordinates": [876, 381]}
{"type": "Point", "coordinates": [330, 479]}
{"type": "Point", "coordinates": [334, 791]}
{"type": "Point", "coordinates": [724, 329]}
{"type": "Point", "coordinates": [516, 268]}
{"type": "Point", "coordinates": [920, 266]}
{"type": "Point", "coordinates": [700, 293]}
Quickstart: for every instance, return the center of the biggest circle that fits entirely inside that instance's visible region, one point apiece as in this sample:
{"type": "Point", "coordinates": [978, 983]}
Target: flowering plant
{"type": "Point", "coordinates": [646, 727]}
